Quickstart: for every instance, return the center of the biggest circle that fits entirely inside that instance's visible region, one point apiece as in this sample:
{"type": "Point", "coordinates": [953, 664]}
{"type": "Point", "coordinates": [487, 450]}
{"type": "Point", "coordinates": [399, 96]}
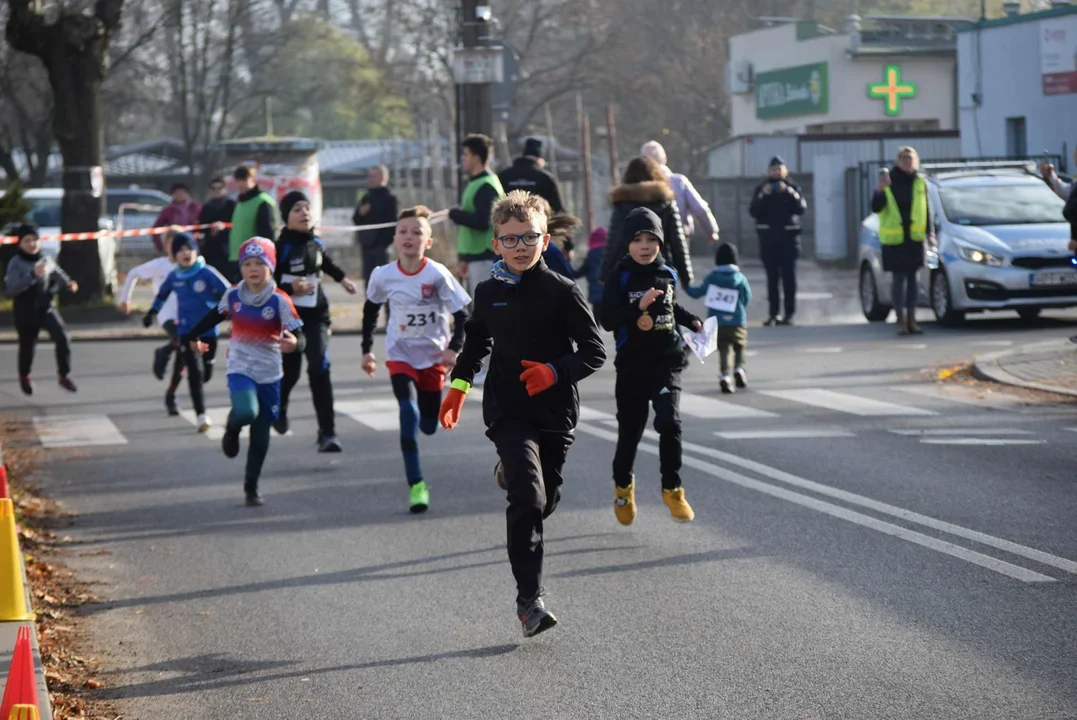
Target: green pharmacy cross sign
{"type": "Point", "coordinates": [892, 90]}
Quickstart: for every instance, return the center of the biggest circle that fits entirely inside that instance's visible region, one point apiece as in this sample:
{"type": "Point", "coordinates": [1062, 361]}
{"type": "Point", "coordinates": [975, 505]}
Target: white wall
{"type": "Point", "coordinates": [1008, 66]}
{"type": "Point", "coordinates": [848, 79]}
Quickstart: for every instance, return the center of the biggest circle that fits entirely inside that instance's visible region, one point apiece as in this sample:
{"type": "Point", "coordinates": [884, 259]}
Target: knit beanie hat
{"type": "Point", "coordinates": [27, 229]}
{"type": "Point", "coordinates": [654, 150]}
{"type": "Point", "coordinates": [533, 147]}
{"type": "Point", "coordinates": [288, 202]}
{"type": "Point", "coordinates": [776, 161]}
{"type": "Point", "coordinates": [260, 249]}
{"type": "Point", "coordinates": [725, 255]}
{"type": "Point", "coordinates": [643, 220]}
{"type": "Point", "coordinates": [182, 240]}
{"type": "Point", "coordinates": [597, 238]}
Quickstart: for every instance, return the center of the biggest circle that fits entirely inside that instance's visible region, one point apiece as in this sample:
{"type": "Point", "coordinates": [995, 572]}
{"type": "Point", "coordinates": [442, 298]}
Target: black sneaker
{"type": "Point", "coordinates": [172, 405]}
{"type": "Point", "coordinates": [727, 385]}
{"type": "Point", "coordinates": [328, 443]}
{"type": "Point", "coordinates": [253, 498]}
{"type": "Point", "coordinates": [160, 361]}
{"type": "Point", "coordinates": [230, 443]}
{"type": "Point", "coordinates": [535, 618]}
{"type": "Point", "coordinates": [787, 320]}
{"type": "Point", "coordinates": [281, 423]}
{"type": "Point", "coordinates": [772, 320]}
{"type": "Point", "coordinates": [66, 383]}
{"type": "Point", "coordinates": [26, 386]}
{"type": "Point", "coordinates": [499, 476]}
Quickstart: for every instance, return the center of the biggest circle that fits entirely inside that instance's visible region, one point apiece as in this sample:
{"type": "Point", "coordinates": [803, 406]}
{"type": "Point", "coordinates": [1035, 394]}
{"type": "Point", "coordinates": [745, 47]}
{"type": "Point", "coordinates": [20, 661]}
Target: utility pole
{"type": "Point", "coordinates": [474, 70]}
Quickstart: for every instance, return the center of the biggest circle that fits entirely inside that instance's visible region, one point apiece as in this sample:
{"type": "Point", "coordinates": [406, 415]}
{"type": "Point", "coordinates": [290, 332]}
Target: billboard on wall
{"type": "Point", "coordinates": [802, 90]}
{"type": "Point", "coordinates": [1058, 55]}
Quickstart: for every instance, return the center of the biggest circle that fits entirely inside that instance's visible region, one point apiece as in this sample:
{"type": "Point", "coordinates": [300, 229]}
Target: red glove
{"type": "Point", "coordinates": [537, 376]}
{"type": "Point", "coordinates": [451, 407]}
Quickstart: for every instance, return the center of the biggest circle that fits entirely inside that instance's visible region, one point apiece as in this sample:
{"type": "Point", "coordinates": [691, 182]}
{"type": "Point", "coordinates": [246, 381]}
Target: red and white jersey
{"type": "Point", "coordinates": [420, 306]}
{"type": "Point", "coordinates": [257, 324]}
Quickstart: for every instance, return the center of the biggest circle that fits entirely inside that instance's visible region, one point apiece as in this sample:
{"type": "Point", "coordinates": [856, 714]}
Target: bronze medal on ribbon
{"type": "Point", "coordinates": [645, 322]}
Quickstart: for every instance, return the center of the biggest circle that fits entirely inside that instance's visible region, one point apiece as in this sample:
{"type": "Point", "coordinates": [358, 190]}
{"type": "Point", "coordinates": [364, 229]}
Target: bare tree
{"type": "Point", "coordinates": [74, 47]}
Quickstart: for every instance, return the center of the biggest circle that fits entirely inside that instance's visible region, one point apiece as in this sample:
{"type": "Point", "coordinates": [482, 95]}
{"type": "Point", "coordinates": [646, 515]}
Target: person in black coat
{"type": "Point", "coordinates": [905, 260]}
{"type": "Point", "coordinates": [378, 206]}
{"type": "Point", "coordinates": [646, 186]}
{"type": "Point", "coordinates": [777, 205]}
{"type": "Point", "coordinates": [528, 172]}
{"type": "Point", "coordinates": [214, 243]}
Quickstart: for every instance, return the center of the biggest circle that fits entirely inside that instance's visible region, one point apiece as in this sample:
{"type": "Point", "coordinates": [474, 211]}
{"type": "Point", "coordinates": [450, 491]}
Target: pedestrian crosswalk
{"type": "Point", "coordinates": [918, 411]}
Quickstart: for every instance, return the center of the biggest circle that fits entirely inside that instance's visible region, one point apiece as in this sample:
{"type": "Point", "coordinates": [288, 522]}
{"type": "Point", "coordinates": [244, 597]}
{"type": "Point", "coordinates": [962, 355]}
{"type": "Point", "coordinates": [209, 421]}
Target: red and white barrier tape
{"type": "Point", "coordinates": [437, 217]}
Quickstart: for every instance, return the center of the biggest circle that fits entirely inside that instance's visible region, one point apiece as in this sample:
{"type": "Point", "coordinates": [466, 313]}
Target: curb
{"type": "Point", "coordinates": [987, 367]}
{"type": "Point", "coordinates": [8, 632]}
{"type": "Point", "coordinates": [132, 335]}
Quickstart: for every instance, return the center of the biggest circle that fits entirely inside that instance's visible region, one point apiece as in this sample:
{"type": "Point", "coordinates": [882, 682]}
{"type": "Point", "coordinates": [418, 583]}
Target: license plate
{"type": "Point", "coordinates": [1053, 278]}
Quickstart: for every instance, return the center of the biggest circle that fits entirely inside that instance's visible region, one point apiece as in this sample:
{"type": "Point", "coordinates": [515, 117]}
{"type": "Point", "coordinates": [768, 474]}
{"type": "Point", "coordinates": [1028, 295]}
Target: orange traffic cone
{"type": "Point", "coordinates": [13, 606]}
{"type": "Point", "coordinates": [21, 688]}
{"type": "Point", "coordinates": [23, 712]}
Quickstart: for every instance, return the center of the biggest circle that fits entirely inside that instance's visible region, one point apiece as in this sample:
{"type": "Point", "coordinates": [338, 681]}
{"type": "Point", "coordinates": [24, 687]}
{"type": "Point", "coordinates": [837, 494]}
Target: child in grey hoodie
{"type": "Point", "coordinates": [728, 295]}
{"type": "Point", "coordinates": [33, 279]}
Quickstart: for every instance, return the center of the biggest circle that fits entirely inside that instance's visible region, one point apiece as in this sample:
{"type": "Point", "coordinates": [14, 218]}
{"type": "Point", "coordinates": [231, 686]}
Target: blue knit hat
{"type": "Point", "coordinates": [182, 240]}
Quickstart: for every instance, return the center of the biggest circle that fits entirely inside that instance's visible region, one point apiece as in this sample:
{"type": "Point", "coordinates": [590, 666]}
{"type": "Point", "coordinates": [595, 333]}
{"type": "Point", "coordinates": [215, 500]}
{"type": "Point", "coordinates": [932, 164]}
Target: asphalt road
{"type": "Point", "coordinates": [916, 557]}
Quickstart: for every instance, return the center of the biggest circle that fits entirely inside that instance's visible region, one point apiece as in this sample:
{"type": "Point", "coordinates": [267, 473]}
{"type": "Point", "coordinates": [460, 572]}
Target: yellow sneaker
{"type": "Point", "coordinates": [678, 506]}
{"type": "Point", "coordinates": [624, 503]}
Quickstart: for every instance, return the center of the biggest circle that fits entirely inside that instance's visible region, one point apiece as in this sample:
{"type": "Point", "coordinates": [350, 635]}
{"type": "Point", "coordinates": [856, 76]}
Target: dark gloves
{"type": "Point", "coordinates": [149, 318]}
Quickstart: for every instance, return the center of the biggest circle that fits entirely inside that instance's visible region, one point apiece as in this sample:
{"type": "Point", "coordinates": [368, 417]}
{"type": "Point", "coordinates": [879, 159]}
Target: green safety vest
{"type": "Point", "coordinates": [891, 227]}
{"type": "Point", "coordinates": [468, 240]}
{"type": "Point", "coordinates": [243, 222]}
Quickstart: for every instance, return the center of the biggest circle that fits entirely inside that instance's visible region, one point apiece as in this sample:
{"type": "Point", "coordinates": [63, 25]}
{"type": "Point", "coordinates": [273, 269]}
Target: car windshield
{"type": "Point", "coordinates": [1023, 204]}
{"type": "Point", "coordinates": [44, 212]}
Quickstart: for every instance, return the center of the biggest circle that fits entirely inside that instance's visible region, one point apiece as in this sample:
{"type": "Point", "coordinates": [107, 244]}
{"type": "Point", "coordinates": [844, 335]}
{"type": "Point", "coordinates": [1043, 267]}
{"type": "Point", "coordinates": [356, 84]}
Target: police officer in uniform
{"type": "Point", "coordinates": [777, 206]}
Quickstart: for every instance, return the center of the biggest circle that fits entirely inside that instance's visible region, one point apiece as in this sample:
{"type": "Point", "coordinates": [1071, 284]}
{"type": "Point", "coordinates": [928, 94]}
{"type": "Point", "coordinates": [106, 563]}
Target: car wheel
{"type": "Point", "coordinates": [873, 310]}
{"type": "Point", "coordinates": [942, 302]}
{"type": "Point", "coordinates": [1029, 313]}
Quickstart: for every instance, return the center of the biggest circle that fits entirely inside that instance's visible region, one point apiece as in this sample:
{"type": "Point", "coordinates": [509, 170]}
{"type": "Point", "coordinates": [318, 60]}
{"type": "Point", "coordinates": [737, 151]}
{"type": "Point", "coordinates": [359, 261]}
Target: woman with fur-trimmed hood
{"type": "Point", "coordinates": [645, 185]}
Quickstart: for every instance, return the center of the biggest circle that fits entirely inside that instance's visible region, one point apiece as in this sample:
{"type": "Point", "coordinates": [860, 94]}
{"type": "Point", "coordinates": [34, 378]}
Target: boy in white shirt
{"type": "Point", "coordinates": [420, 350]}
{"type": "Point", "coordinates": [157, 271]}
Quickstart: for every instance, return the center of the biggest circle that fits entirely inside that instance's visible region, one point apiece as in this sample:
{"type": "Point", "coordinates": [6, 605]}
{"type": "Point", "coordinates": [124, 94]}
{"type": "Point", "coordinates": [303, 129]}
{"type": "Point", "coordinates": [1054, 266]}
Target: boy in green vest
{"type": "Point", "coordinates": [255, 216]}
{"type": "Point", "coordinates": [474, 251]}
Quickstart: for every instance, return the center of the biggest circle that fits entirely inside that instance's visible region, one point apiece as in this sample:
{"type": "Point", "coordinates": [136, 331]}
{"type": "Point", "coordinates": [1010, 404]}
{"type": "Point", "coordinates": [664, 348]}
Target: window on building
{"type": "Point", "coordinates": [1016, 137]}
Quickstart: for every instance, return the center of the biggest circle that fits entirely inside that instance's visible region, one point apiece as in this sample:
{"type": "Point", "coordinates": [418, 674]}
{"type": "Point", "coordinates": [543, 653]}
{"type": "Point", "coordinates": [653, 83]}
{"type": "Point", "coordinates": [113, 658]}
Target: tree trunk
{"type": "Point", "coordinates": [75, 52]}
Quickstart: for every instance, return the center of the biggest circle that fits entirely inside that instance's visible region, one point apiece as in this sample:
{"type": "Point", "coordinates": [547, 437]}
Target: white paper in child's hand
{"type": "Point", "coordinates": [704, 342]}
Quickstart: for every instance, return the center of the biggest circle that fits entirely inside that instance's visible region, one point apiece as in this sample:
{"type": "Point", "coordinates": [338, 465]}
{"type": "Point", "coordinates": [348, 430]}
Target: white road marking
{"type": "Point", "coordinates": [908, 515]}
{"type": "Point", "coordinates": [814, 296]}
{"type": "Point", "coordinates": [60, 431]}
{"type": "Point", "coordinates": [790, 433]}
{"type": "Point", "coordinates": [378, 415]}
{"type": "Point", "coordinates": [1072, 430]}
{"type": "Point", "coordinates": [591, 415]}
{"type": "Point", "coordinates": [985, 442]}
{"type": "Point", "coordinates": [823, 350]}
{"type": "Point", "coordinates": [991, 343]}
{"type": "Point", "coordinates": [841, 402]}
{"type": "Point", "coordinates": [706, 408]}
{"type": "Point", "coordinates": [751, 353]}
{"type": "Point", "coordinates": [961, 394]}
{"type": "Point", "coordinates": [950, 432]}
{"type": "Point", "coordinates": [219, 416]}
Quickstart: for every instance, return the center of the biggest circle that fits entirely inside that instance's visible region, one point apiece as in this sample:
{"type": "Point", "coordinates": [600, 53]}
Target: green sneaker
{"type": "Point", "coordinates": [420, 497]}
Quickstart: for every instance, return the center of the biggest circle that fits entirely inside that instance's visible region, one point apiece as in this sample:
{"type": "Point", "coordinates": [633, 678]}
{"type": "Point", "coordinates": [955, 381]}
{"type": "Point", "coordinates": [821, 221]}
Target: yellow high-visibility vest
{"type": "Point", "coordinates": [892, 229]}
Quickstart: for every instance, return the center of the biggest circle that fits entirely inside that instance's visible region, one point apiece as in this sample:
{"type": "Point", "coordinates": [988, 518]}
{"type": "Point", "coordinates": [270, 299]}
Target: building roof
{"type": "Point", "coordinates": [1058, 11]}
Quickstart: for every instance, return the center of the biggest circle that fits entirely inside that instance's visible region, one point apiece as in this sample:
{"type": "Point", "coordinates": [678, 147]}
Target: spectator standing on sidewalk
{"type": "Point", "coordinates": [183, 210]}
{"type": "Point", "coordinates": [904, 212]}
{"type": "Point", "coordinates": [528, 173]}
{"type": "Point", "coordinates": [644, 185]}
{"type": "Point", "coordinates": [377, 206]}
{"type": "Point", "coordinates": [777, 206]}
{"type": "Point", "coordinates": [218, 209]}
{"type": "Point", "coordinates": [690, 204]}
{"type": "Point", "coordinates": [474, 234]}
{"type": "Point", "coordinates": [1062, 188]}
{"type": "Point", "coordinates": [255, 215]}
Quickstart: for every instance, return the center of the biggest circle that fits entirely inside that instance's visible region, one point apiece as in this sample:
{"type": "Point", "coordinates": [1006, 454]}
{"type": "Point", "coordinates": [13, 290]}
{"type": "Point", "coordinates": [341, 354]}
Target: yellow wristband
{"type": "Point", "coordinates": [461, 385]}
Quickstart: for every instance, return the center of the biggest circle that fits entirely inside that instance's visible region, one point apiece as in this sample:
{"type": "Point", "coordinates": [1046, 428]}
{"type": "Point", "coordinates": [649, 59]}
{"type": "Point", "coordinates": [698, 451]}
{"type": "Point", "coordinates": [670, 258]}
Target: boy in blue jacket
{"type": "Point", "coordinates": [198, 287]}
{"type": "Point", "coordinates": [728, 295]}
{"type": "Point", "coordinates": [592, 267]}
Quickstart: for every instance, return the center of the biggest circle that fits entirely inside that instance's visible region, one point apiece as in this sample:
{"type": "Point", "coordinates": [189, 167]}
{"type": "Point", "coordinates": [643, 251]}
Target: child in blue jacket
{"type": "Point", "coordinates": [728, 296]}
{"type": "Point", "coordinates": [592, 267]}
{"type": "Point", "coordinates": [198, 287]}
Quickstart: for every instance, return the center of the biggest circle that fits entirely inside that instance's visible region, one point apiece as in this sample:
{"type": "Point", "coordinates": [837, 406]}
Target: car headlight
{"type": "Point", "coordinates": [980, 257]}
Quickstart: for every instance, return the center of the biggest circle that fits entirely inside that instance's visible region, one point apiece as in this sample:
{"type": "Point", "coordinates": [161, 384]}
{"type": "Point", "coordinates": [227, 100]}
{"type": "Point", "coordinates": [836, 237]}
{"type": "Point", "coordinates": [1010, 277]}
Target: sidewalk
{"type": "Point", "coordinates": [1049, 366]}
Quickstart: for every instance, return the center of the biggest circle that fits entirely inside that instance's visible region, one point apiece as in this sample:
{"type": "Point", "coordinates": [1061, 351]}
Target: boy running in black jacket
{"type": "Point", "coordinates": [33, 280]}
{"type": "Point", "coordinates": [301, 260]}
{"type": "Point", "coordinates": [640, 308]}
{"type": "Point", "coordinates": [543, 340]}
